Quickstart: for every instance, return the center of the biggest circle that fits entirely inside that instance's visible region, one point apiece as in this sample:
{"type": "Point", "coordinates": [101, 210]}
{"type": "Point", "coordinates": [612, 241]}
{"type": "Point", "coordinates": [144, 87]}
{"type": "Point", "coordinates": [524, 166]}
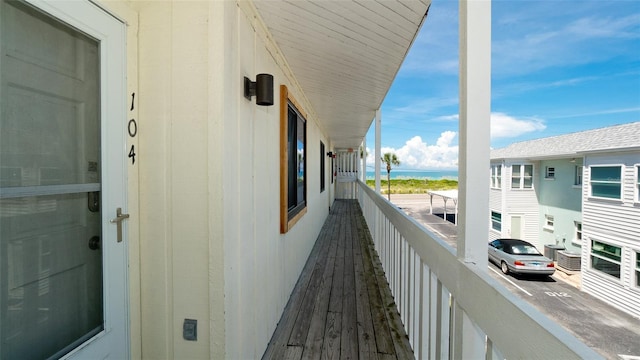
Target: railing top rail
{"type": "Point", "coordinates": [514, 326]}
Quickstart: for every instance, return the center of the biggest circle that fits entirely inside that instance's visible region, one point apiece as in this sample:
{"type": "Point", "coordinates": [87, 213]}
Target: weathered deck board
{"type": "Point", "coordinates": [337, 309]}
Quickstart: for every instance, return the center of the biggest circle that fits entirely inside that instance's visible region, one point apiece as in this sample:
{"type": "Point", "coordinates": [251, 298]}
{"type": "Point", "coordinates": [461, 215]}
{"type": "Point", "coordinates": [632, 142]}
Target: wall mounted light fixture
{"type": "Point", "coordinates": [330, 154]}
{"type": "Point", "coordinates": [262, 89]}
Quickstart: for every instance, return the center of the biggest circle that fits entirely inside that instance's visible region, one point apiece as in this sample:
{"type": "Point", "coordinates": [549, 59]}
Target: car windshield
{"type": "Point", "coordinates": [524, 250]}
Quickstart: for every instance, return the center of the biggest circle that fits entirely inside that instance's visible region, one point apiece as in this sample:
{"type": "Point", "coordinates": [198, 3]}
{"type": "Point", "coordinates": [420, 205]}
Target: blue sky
{"type": "Point", "coordinates": [558, 66]}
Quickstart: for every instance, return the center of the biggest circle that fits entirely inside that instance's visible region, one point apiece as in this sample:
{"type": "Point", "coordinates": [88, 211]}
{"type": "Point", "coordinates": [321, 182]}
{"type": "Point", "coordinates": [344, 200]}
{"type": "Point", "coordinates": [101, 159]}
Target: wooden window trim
{"type": "Point", "coordinates": [285, 98]}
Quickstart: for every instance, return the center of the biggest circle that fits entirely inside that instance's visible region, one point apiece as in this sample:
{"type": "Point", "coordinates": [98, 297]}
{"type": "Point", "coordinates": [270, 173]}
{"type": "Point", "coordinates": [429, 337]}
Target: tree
{"type": "Point", "coordinates": [389, 159]}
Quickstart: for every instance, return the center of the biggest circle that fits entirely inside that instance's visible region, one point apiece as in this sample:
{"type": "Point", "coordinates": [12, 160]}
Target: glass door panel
{"type": "Point", "coordinates": [50, 216]}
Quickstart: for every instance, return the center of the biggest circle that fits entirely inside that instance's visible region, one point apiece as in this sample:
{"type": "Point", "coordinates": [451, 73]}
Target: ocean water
{"type": "Point", "coordinates": [416, 174]}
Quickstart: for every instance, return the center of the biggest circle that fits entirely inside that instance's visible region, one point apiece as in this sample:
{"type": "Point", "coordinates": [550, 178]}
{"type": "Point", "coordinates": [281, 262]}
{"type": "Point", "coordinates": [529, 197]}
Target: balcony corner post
{"type": "Point", "coordinates": [378, 150]}
{"type": "Point", "coordinates": [475, 133]}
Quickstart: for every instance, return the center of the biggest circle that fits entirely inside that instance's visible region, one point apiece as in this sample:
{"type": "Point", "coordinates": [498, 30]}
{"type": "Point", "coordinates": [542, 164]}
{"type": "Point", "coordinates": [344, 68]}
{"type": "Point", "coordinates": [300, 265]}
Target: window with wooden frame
{"type": "Point", "coordinates": [293, 161]}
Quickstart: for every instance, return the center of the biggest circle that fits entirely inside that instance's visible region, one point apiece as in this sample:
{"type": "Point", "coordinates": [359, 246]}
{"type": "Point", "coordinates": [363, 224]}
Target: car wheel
{"type": "Point", "coordinates": [504, 267]}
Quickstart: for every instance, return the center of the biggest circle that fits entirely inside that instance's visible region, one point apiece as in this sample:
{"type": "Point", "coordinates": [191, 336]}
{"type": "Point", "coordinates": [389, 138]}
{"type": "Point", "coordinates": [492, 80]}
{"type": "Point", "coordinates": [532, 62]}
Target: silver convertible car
{"type": "Point", "coordinates": [519, 257]}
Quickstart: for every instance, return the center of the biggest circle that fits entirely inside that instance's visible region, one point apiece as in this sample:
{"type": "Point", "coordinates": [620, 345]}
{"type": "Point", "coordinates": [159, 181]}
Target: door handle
{"type": "Point", "coordinates": [118, 221]}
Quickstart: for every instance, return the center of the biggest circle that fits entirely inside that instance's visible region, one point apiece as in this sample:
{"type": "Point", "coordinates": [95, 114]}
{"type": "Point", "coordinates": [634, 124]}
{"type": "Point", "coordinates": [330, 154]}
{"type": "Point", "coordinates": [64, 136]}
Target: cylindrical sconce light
{"type": "Point", "coordinates": [262, 89]}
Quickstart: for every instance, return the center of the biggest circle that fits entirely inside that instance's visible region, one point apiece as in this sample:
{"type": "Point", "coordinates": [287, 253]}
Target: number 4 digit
{"type": "Point", "coordinates": [132, 154]}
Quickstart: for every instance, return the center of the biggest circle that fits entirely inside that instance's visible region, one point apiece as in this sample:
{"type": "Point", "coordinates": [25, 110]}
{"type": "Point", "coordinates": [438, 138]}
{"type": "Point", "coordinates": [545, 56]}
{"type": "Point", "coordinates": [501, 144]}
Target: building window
{"type": "Point", "coordinates": [548, 222]}
{"type": "Point", "coordinates": [521, 176]}
{"type": "Point", "coordinates": [496, 221]}
{"type": "Point", "coordinates": [322, 161]}
{"type": "Point", "coordinates": [293, 170]}
{"type": "Point", "coordinates": [549, 172]}
{"type": "Point", "coordinates": [605, 181]}
{"type": "Point", "coordinates": [496, 176]}
{"type": "Point", "coordinates": [577, 177]}
{"type": "Point", "coordinates": [577, 233]}
{"type": "Point", "coordinates": [297, 179]}
{"type": "Point", "coordinates": [606, 258]}
{"type": "Point", "coordinates": [638, 269]}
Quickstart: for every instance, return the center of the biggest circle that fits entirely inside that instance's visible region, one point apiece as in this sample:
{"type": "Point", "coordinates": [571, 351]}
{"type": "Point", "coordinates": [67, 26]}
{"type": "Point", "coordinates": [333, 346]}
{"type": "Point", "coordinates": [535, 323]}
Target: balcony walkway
{"type": "Point", "coordinates": [341, 307]}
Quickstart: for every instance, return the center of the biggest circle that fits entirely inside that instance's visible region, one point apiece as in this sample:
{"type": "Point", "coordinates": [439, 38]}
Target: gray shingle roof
{"type": "Point", "coordinates": [612, 137]}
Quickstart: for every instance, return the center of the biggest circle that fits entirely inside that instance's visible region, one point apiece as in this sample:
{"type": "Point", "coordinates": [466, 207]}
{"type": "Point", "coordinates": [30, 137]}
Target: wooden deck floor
{"type": "Point", "coordinates": [341, 307]}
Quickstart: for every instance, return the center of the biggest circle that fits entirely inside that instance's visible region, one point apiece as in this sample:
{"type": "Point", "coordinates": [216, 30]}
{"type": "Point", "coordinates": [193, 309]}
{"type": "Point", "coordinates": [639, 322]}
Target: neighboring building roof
{"type": "Point", "coordinates": [623, 136]}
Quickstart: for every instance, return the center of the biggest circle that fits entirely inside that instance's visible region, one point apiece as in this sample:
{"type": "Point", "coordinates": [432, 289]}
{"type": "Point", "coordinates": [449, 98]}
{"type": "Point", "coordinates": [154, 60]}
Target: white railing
{"type": "Point", "coordinates": [347, 165]}
{"type": "Point", "coordinates": [453, 310]}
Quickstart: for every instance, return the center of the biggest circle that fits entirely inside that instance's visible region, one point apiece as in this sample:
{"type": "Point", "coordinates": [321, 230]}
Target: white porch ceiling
{"type": "Point", "coordinates": [345, 54]}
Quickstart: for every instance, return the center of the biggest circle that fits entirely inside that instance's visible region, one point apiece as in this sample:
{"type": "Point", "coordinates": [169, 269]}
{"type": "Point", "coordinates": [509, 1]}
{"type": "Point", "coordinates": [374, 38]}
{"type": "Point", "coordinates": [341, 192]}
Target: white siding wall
{"type": "Point", "coordinates": [616, 222]}
{"type": "Point", "coordinates": [524, 203]}
{"type": "Point", "coordinates": [173, 160]}
{"type": "Point", "coordinates": [261, 265]}
{"type": "Point", "coordinates": [210, 246]}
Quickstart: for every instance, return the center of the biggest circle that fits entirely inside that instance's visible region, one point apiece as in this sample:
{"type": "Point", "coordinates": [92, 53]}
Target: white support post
{"type": "Point", "coordinates": [364, 159]}
{"type": "Point", "coordinates": [378, 151]}
{"type": "Point", "coordinates": [475, 113]}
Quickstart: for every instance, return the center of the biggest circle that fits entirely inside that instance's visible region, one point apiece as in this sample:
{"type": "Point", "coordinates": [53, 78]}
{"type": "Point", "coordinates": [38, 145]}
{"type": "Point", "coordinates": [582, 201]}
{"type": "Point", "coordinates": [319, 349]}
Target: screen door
{"type": "Point", "coordinates": [53, 218]}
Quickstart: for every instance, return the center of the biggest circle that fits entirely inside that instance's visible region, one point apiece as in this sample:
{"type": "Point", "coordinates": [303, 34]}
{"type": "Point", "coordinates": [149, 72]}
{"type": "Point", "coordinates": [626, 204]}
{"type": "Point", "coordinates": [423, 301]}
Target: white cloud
{"type": "Point", "coordinates": [503, 125]}
{"type": "Point", "coordinates": [417, 154]}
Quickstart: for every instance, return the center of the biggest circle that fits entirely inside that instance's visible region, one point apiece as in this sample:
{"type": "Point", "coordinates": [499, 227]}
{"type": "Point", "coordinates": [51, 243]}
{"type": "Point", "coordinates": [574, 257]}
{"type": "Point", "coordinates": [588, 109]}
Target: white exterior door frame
{"type": "Point", "coordinates": [88, 18]}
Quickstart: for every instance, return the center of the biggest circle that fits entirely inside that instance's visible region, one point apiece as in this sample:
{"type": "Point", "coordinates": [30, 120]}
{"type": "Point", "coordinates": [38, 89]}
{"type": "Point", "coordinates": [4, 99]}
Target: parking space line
{"type": "Point", "coordinates": [511, 282]}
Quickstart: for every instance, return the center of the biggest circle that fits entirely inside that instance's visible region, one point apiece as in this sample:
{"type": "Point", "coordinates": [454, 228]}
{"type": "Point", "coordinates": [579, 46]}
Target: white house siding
{"type": "Point", "coordinates": [617, 223]}
{"type": "Point", "coordinates": [524, 203]}
{"type": "Point", "coordinates": [206, 237]}
{"type": "Point", "coordinates": [261, 265]}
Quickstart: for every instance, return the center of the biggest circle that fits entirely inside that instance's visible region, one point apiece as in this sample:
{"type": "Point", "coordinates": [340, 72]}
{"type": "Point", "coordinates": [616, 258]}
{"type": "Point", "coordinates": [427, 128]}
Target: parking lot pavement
{"type": "Point", "coordinates": [609, 331]}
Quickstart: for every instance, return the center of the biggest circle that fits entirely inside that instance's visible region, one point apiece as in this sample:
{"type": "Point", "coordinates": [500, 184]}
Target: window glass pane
{"type": "Point", "coordinates": [515, 170]}
{"type": "Point", "coordinates": [528, 183]}
{"type": "Point", "coordinates": [605, 173]}
{"type": "Point", "coordinates": [528, 170]}
{"type": "Point", "coordinates": [297, 167]}
{"type": "Point", "coordinates": [51, 284]}
{"type": "Point", "coordinates": [606, 250]}
{"type": "Point", "coordinates": [637, 268]}
{"type": "Point", "coordinates": [606, 190]}
{"type": "Point", "coordinates": [300, 149]}
{"type": "Point", "coordinates": [578, 176]}
{"type": "Point", "coordinates": [496, 221]}
{"type": "Point", "coordinates": [292, 194]}
{"type": "Point", "coordinates": [605, 266]}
